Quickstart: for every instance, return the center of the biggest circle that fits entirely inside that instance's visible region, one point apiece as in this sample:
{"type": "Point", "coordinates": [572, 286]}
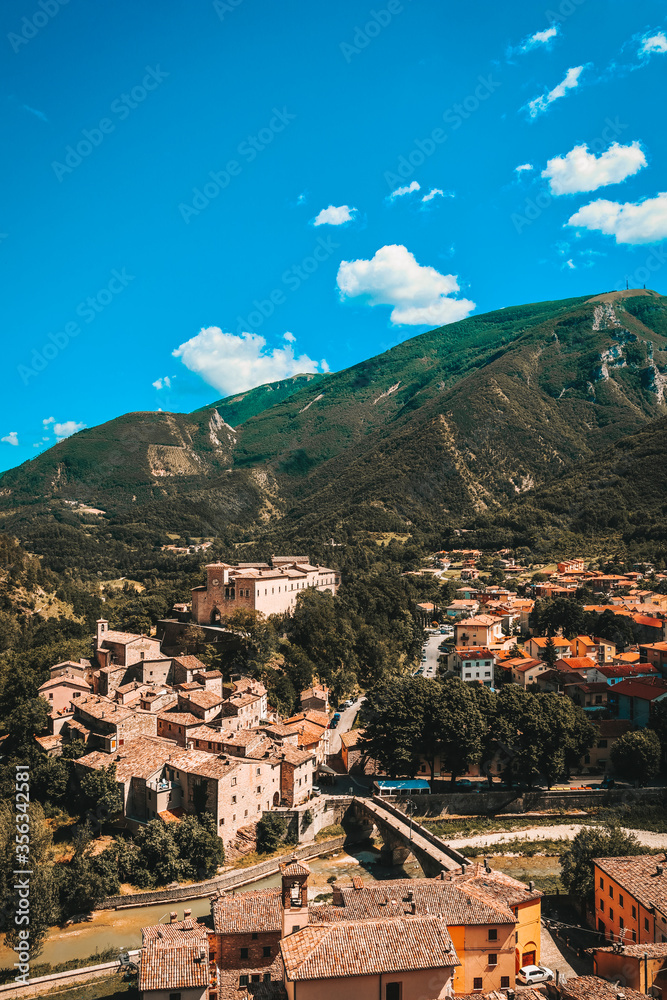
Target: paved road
{"type": "Point", "coordinates": [559, 958]}
{"type": "Point", "coordinates": [346, 722]}
{"type": "Point", "coordinates": [432, 654]}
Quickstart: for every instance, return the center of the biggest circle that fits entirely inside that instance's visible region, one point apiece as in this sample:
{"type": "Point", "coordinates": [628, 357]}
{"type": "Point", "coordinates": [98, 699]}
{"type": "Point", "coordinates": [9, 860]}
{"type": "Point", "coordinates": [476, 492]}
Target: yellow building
{"type": "Point", "coordinates": [493, 920]}
{"type": "Point", "coordinates": [631, 898]}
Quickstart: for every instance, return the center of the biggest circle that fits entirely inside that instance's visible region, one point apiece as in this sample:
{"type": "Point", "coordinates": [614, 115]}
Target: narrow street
{"type": "Point", "coordinates": [346, 721]}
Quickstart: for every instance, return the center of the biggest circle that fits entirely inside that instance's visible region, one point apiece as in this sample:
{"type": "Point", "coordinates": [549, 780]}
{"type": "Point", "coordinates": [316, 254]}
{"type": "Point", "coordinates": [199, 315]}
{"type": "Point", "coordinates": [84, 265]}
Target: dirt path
{"type": "Point", "coordinates": [561, 832]}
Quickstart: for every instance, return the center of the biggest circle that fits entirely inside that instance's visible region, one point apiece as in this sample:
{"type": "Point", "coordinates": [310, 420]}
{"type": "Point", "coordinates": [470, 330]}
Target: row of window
{"type": "Point", "coordinates": [478, 982]}
{"type": "Point", "coordinates": [266, 951]}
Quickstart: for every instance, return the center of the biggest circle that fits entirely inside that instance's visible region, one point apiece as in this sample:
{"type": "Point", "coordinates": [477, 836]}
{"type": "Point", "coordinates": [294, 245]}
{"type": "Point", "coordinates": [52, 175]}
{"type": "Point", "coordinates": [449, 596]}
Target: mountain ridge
{"type": "Point", "coordinates": [449, 423]}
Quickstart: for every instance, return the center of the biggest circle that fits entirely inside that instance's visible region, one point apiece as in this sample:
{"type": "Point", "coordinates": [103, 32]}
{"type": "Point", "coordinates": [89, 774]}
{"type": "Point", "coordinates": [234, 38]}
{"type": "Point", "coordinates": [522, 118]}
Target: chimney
{"type": "Point", "coordinates": [531, 886]}
{"type": "Point", "coordinates": [173, 917]}
{"type": "Point", "coordinates": [186, 914]}
{"type": "Point", "coordinates": [413, 908]}
{"type": "Point", "coordinates": [659, 870]}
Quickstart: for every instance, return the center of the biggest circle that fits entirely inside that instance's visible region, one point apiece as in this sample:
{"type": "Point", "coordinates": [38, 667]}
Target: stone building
{"type": "Point", "coordinates": [271, 588]}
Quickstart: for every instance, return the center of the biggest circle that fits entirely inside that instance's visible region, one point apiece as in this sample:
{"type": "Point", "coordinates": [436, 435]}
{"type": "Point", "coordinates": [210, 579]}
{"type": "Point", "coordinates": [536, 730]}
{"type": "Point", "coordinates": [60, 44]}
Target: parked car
{"type": "Point", "coordinates": [530, 974]}
{"type": "Point", "coordinates": [316, 790]}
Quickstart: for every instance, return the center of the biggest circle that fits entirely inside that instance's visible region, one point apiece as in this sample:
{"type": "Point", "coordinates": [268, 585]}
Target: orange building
{"type": "Point", "coordinates": [631, 898]}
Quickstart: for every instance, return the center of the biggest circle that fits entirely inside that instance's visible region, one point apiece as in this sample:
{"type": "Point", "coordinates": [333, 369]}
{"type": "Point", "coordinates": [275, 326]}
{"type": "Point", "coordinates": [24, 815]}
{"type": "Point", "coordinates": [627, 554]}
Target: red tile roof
{"type": "Point", "coordinates": [363, 948]}
{"type": "Point", "coordinates": [644, 877]}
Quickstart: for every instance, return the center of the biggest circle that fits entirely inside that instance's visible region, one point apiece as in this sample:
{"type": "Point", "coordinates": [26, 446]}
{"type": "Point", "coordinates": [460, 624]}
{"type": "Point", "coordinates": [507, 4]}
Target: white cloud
{"type": "Point", "coordinates": [48, 420]}
{"type": "Point", "coordinates": [66, 429]}
{"type": "Point", "coordinates": [629, 222]}
{"type": "Point", "coordinates": [570, 264]}
{"type": "Point", "coordinates": [580, 170]}
{"type": "Point", "coordinates": [232, 363]}
{"type": "Point", "coordinates": [653, 43]}
{"type": "Point", "coordinates": [539, 38]}
{"type": "Point", "coordinates": [289, 337]}
{"type": "Point", "coordinates": [523, 167]}
{"type": "Point", "coordinates": [162, 383]}
{"type": "Point", "coordinates": [335, 216]}
{"type": "Point", "coordinates": [11, 438]}
{"type": "Point", "coordinates": [393, 277]}
{"type": "Point", "coordinates": [408, 189]}
{"type": "Point", "coordinates": [437, 192]}
{"type": "Point", "coordinates": [569, 82]}
{"type": "Point", "coordinates": [301, 200]}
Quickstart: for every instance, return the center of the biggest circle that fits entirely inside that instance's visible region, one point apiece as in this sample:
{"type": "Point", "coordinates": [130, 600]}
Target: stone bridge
{"type": "Point", "coordinates": [402, 837]}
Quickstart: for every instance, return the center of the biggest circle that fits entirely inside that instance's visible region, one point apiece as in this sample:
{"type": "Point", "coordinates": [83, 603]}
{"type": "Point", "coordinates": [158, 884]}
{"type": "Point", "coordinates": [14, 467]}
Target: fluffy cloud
{"type": "Point", "coordinates": [289, 337]}
{"type": "Point", "coordinates": [393, 277]}
{"type": "Point", "coordinates": [569, 82]}
{"type": "Point", "coordinates": [539, 38]}
{"type": "Point", "coordinates": [232, 363]}
{"type": "Point", "coordinates": [653, 43]}
{"type": "Point", "coordinates": [66, 429]}
{"type": "Point", "coordinates": [580, 170]}
{"type": "Point", "coordinates": [11, 438]}
{"type": "Point", "coordinates": [437, 192]}
{"type": "Point", "coordinates": [401, 191]}
{"type": "Point", "coordinates": [631, 222]}
{"type": "Point", "coordinates": [162, 383]}
{"type": "Point", "coordinates": [523, 167]}
{"type": "Point", "coordinates": [48, 420]}
{"type": "Point", "coordinates": [334, 216]}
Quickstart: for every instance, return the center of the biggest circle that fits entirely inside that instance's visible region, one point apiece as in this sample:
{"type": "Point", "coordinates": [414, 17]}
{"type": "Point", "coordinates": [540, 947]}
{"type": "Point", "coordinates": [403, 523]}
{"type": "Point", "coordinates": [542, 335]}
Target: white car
{"type": "Point", "coordinates": [530, 974]}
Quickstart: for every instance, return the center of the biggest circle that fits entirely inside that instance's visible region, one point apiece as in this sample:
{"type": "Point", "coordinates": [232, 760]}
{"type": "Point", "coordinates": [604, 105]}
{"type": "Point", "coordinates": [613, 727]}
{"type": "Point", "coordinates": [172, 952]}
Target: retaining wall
{"type": "Point", "coordinates": [230, 880]}
{"type": "Point", "coordinates": [498, 803]}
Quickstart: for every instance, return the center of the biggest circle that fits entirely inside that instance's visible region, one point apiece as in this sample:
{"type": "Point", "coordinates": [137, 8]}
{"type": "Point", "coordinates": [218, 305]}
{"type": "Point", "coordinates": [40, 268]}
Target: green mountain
{"type": "Point", "coordinates": [235, 410]}
{"type": "Point", "coordinates": [457, 421]}
{"type": "Point", "coordinates": [618, 498]}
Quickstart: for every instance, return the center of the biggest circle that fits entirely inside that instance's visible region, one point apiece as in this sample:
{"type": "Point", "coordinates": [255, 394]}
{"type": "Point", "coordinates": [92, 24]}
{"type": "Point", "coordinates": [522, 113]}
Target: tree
{"type": "Point", "coordinates": [158, 861]}
{"type": "Point", "coordinates": [458, 727]}
{"type": "Point", "coordinates": [88, 879]}
{"type": "Point", "coordinates": [593, 842]}
{"type": "Point", "coordinates": [200, 848]}
{"type": "Point", "coordinates": [43, 882]}
{"type": "Point", "coordinates": [394, 724]}
{"type": "Point", "coordinates": [550, 655]}
{"type": "Point", "coordinates": [100, 792]}
{"type": "Point", "coordinates": [637, 755]}
{"type": "Point", "coordinates": [271, 832]}
{"type": "Point", "coordinates": [557, 614]}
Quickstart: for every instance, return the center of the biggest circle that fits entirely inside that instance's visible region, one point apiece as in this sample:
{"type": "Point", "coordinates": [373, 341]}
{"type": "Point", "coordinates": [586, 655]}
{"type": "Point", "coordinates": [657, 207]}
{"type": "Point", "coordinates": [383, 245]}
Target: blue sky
{"type": "Point", "coordinates": [203, 196]}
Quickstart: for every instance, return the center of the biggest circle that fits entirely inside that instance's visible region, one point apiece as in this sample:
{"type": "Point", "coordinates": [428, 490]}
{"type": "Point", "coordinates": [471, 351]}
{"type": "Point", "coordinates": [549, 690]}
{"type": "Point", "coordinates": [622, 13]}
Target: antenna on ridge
{"type": "Point", "coordinates": [626, 284]}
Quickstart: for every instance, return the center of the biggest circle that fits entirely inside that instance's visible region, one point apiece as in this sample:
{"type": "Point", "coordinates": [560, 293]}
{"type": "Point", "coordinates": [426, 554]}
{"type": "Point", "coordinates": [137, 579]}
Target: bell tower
{"type": "Point", "coordinates": [294, 895]}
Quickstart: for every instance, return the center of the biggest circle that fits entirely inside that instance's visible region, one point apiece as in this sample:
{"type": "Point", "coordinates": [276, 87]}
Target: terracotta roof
{"type": "Point", "coordinates": [636, 950]}
{"type": "Point", "coordinates": [187, 930]}
{"type": "Point", "coordinates": [123, 638]}
{"type": "Point", "coordinates": [576, 663]}
{"type": "Point", "coordinates": [646, 688]}
{"type": "Point", "coordinates": [308, 733]}
{"type": "Point", "coordinates": [503, 888]}
{"type": "Point", "coordinates": [294, 756]}
{"type": "Point", "coordinates": [521, 666]}
{"type": "Point", "coordinates": [49, 742]}
{"type": "Point", "coordinates": [362, 948]}
{"type": "Point", "coordinates": [203, 699]}
{"type": "Point", "coordinates": [639, 876]}
{"type": "Point", "coordinates": [294, 867]}
{"type": "Point", "coordinates": [138, 758]}
{"type": "Point", "coordinates": [455, 901]}
{"type": "Point", "coordinates": [190, 662]}
{"type": "Point", "coordinates": [174, 965]}
{"type": "Point", "coordinates": [255, 911]}
{"type": "Point", "coordinates": [103, 709]}
{"type": "Point", "coordinates": [180, 718]}
{"type": "Point", "coordinates": [352, 738]}
{"type": "Point", "coordinates": [593, 988]}
{"type": "Point", "coordinates": [611, 729]}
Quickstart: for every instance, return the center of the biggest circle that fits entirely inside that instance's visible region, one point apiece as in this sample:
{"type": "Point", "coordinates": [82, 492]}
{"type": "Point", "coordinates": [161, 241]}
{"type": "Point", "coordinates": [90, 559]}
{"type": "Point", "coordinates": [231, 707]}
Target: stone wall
{"type": "Point", "coordinates": [498, 803]}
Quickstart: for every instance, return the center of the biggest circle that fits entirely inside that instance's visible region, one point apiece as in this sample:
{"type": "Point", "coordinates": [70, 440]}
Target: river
{"type": "Point", "coordinates": [122, 928]}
